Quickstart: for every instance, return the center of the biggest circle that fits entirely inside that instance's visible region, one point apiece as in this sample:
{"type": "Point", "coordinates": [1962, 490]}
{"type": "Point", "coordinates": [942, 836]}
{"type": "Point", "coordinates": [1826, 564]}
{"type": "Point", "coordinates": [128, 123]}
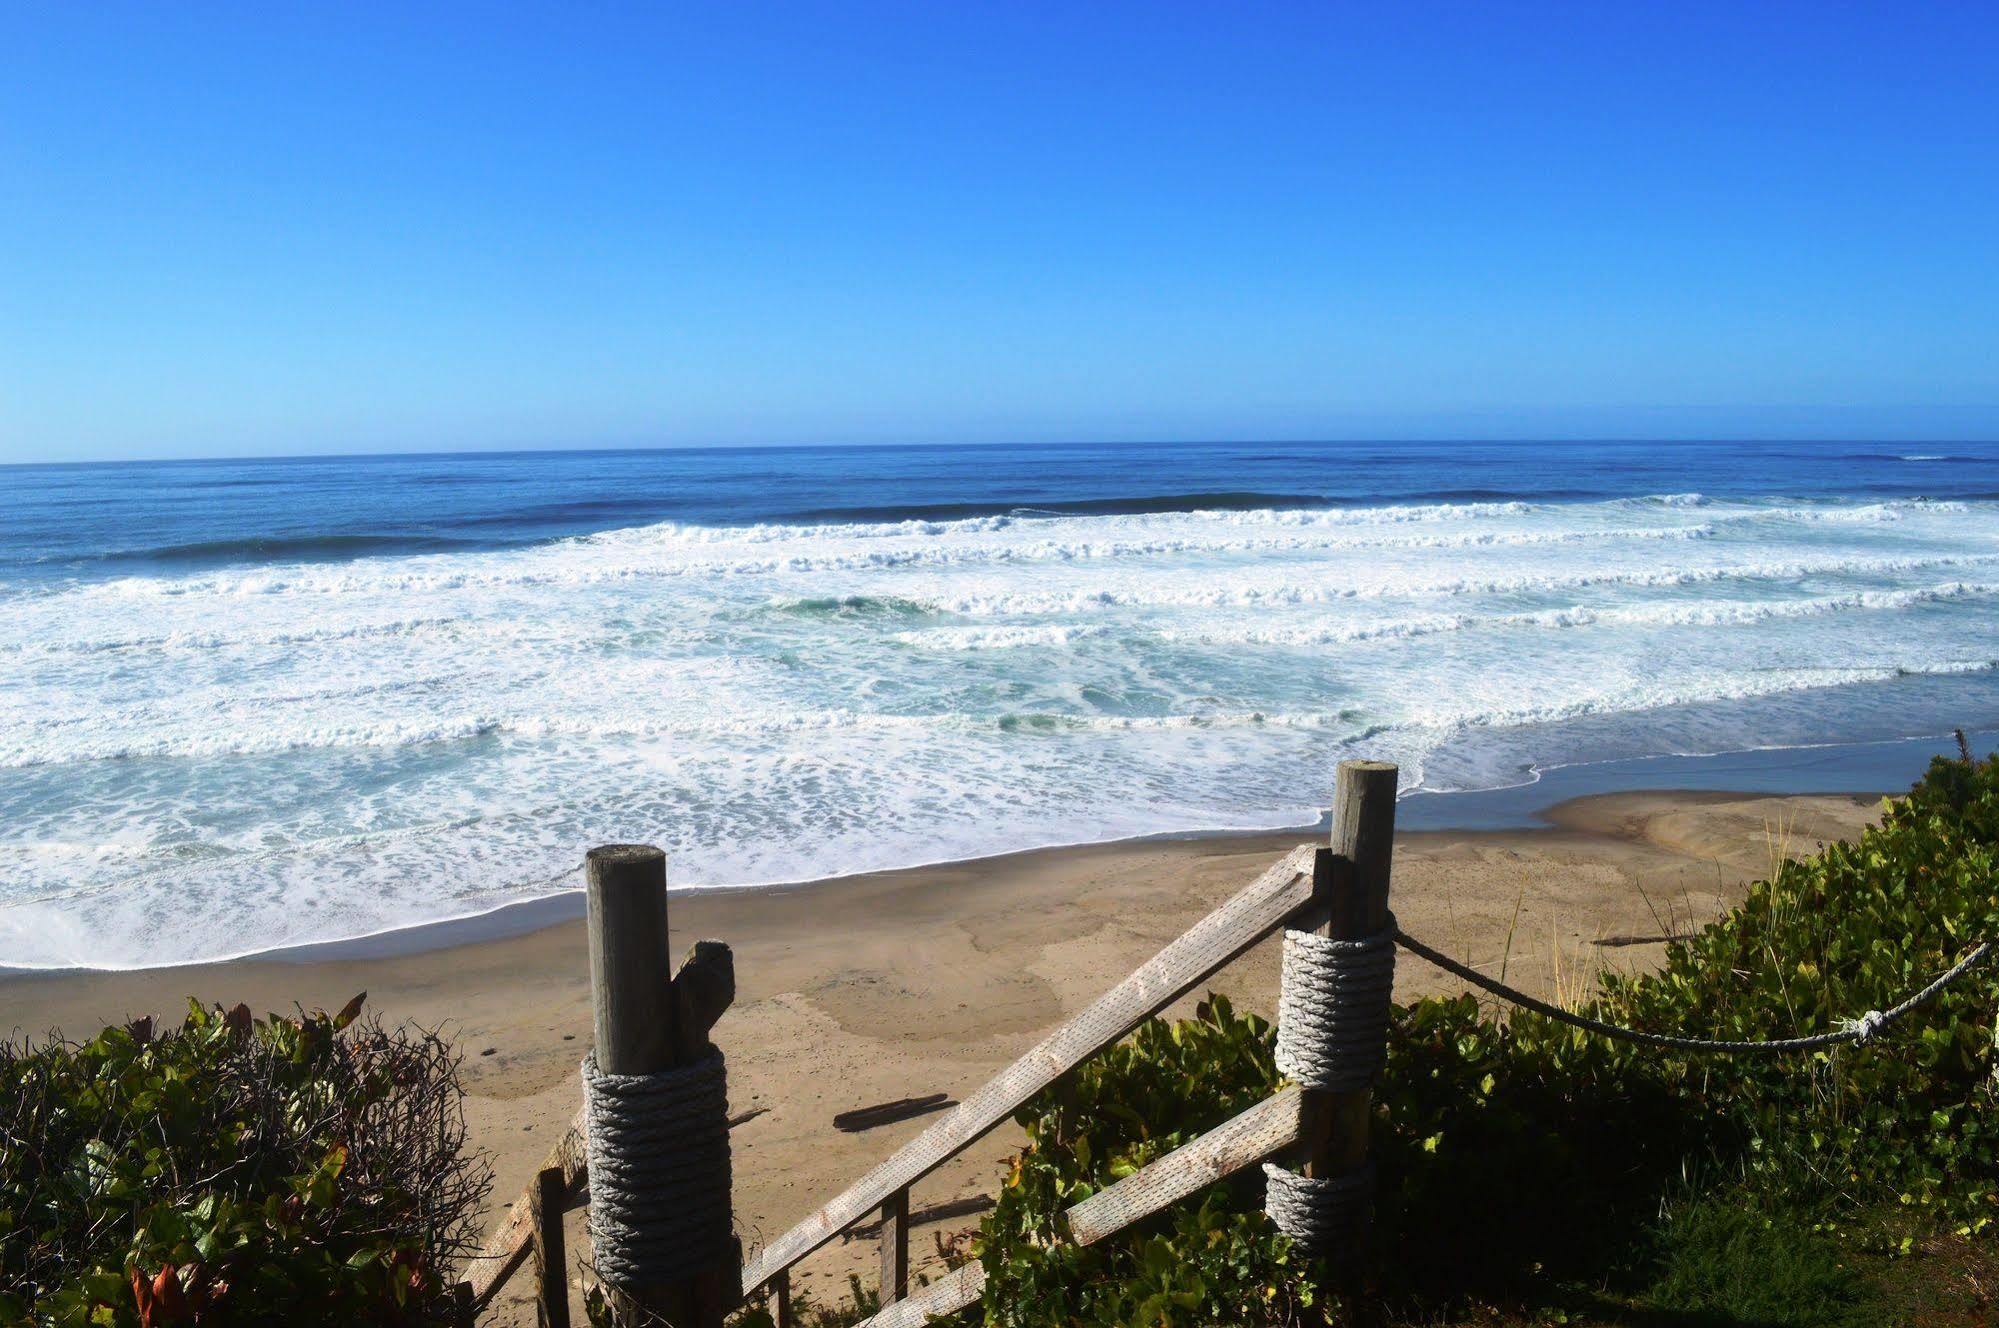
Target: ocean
{"type": "Point", "coordinates": [254, 704]}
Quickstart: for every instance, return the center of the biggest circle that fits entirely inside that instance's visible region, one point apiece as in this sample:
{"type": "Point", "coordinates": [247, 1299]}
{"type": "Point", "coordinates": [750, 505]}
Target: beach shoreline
{"type": "Point", "coordinates": [1532, 802]}
{"type": "Point", "coordinates": [864, 989]}
{"type": "Point", "coordinates": [274, 705]}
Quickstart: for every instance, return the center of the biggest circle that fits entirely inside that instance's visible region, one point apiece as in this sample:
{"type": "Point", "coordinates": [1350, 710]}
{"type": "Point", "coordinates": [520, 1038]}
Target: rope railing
{"type": "Point", "coordinates": [1850, 1030]}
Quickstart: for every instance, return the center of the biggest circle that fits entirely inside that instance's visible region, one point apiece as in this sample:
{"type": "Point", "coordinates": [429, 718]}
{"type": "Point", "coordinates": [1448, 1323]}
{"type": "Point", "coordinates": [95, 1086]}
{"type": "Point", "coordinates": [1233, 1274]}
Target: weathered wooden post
{"type": "Point", "coordinates": [657, 1159]}
{"type": "Point", "coordinates": [780, 1299]}
{"type": "Point", "coordinates": [895, 1247]}
{"type": "Point", "coordinates": [1352, 885]}
{"type": "Point", "coordinates": [551, 1262]}
{"type": "Point", "coordinates": [1333, 1022]}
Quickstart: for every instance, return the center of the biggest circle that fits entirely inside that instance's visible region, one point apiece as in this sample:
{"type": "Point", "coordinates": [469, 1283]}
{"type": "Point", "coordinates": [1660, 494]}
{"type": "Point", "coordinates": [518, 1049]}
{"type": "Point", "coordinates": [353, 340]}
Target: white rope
{"type": "Point", "coordinates": [1318, 1215]}
{"type": "Point", "coordinates": [1332, 1032]}
{"type": "Point", "coordinates": [659, 1171]}
{"type": "Point", "coordinates": [1332, 1009]}
{"type": "Point", "coordinates": [1847, 1030]}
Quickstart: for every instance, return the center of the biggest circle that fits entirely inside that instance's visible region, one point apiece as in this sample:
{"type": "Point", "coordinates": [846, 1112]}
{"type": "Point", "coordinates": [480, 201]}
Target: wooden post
{"type": "Point", "coordinates": [630, 965]}
{"type": "Point", "coordinates": [1350, 890]}
{"type": "Point", "coordinates": [461, 1305]}
{"type": "Point", "coordinates": [895, 1247]}
{"type": "Point", "coordinates": [1350, 902]}
{"type": "Point", "coordinates": [551, 1264]}
{"type": "Point", "coordinates": [781, 1299]}
{"type": "Point", "coordinates": [637, 1026]}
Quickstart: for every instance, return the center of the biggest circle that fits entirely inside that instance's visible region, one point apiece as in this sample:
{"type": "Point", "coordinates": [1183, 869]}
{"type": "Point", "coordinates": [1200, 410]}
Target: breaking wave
{"type": "Point", "coordinates": [317, 741]}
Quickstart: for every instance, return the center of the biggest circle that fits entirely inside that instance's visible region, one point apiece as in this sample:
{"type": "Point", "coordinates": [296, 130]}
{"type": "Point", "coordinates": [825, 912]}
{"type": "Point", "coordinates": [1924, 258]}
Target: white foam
{"type": "Point", "coordinates": [1708, 614]}
{"type": "Point", "coordinates": [241, 759]}
{"type": "Point", "coordinates": [1268, 591]}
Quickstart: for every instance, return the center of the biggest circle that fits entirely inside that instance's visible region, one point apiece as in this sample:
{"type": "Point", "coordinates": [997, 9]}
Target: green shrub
{"type": "Point", "coordinates": [1212, 1258]}
{"type": "Point", "coordinates": [308, 1170]}
{"type": "Point", "coordinates": [1856, 927]}
{"type": "Point", "coordinates": [1519, 1153]}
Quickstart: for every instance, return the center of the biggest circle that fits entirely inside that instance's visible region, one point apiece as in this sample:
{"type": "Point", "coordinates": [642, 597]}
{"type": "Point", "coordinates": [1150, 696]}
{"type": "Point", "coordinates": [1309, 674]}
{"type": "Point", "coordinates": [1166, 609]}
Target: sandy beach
{"type": "Point", "coordinates": [866, 989]}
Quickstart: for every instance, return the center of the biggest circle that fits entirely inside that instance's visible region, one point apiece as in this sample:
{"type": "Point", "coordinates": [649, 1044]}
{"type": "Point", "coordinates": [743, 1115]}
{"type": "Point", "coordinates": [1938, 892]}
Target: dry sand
{"type": "Point", "coordinates": [898, 984]}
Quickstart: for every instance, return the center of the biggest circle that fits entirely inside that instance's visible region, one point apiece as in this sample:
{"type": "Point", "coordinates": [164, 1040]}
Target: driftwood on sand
{"type": "Point", "coordinates": [887, 1113]}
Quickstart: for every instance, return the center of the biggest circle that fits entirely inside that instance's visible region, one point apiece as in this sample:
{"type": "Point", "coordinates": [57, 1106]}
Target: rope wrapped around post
{"type": "Point", "coordinates": [1318, 1215]}
{"type": "Point", "coordinates": [1332, 1028]}
{"type": "Point", "coordinates": [659, 1172]}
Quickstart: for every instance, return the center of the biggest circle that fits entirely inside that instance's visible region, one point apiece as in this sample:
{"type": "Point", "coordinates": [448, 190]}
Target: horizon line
{"type": "Point", "coordinates": [609, 448]}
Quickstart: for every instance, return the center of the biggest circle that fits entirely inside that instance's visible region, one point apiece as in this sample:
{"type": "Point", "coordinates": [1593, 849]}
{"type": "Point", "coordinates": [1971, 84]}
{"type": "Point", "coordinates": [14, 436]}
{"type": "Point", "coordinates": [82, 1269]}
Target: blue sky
{"type": "Point", "coordinates": [369, 227]}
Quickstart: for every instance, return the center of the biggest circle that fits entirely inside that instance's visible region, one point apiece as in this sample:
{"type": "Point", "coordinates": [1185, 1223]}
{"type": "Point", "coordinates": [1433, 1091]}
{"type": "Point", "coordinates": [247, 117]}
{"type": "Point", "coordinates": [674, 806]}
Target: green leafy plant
{"type": "Point", "coordinates": [1211, 1259]}
{"type": "Point", "coordinates": [230, 1171]}
{"type": "Point", "coordinates": [1531, 1156]}
{"type": "Point", "coordinates": [1578, 1140]}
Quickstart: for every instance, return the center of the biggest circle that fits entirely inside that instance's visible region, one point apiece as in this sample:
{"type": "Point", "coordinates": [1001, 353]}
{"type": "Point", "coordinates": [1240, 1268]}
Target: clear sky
{"type": "Point", "coordinates": [279, 228]}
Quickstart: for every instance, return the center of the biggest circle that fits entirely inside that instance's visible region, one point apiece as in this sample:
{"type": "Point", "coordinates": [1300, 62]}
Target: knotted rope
{"type": "Point", "coordinates": [659, 1171]}
{"type": "Point", "coordinates": [1332, 1029]}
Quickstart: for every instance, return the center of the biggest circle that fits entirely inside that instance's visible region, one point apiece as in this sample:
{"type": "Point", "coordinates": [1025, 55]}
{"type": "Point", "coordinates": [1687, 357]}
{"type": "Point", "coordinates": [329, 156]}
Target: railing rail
{"type": "Point", "coordinates": [1208, 946]}
{"type": "Point", "coordinates": [509, 1245]}
{"type": "Point", "coordinates": [1264, 1130]}
{"type": "Point", "coordinates": [1269, 1127]}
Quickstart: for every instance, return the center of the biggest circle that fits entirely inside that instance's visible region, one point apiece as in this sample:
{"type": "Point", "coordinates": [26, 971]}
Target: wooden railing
{"type": "Point", "coordinates": [513, 1240]}
{"type": "Point", "coordinates": [1341, 890]}
{"type": "Point", "coordinates": [1266, 1129]}
{"type": "Point", "coordinates": [1209, 945]}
